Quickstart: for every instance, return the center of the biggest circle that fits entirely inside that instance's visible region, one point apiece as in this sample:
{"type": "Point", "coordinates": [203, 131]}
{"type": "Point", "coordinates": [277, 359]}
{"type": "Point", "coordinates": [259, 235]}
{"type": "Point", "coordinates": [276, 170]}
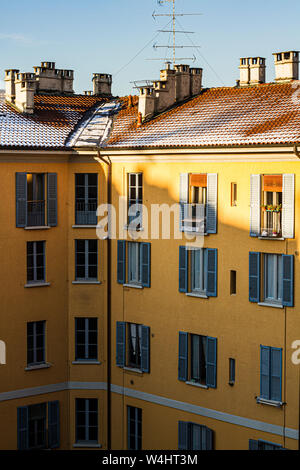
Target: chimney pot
{"type": "Point", "coordinates": [286, 66]}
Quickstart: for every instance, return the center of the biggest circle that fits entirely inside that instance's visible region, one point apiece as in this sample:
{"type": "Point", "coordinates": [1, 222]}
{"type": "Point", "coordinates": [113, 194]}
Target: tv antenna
{"type": "Point", "coordinates": [174, 46]}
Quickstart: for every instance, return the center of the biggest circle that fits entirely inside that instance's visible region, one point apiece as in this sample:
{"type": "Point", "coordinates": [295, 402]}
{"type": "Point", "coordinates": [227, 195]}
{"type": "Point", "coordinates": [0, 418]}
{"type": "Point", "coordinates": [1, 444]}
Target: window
{"type": "Point", "coordinates": [232, 282]}
{"type": "Point", "coordinates": [86, 198]}
{"type": "Point", "coordinates": [133, 346]}
{"type": "Point", "coordinates": [86, 420]}
{"type": "Point", "coordinates": [231, 371]}
{"type": "Point", "coordinates": [263, 445]}
{"type": "Point", "coordinates": [133, 267]}
{"type": "Point", "coordinates": [271, 279]}
{"type": "Point", "coordinates": [135, 198]}
{"type": "Point", "coordinates": [86, 339]}
{"type": "Point", "coordinates": [36, 343]}
{"type": "Point", "coordinates": [270, 373]}
{"type": "Point", "coordinates": [39, 426]}
{"type": "Point", "coordinates": [198, 202]}
{"type": "Point", "coordinates": [134, 428]}
{"type": "Point", "coordinates": [233, 194]}
{"type": "Point", "coordinates": [272, 206]}
{"type": "Point", "coordinates": [36, 199]}
{"type": "Point", "coordinates": [36, 269]}
{"type": "Point", "coordinates": [198, 271]}
{"type": "Point", "coordinates": [197, 359]}
{"type": "Point", "coordinates": [86, 268]}
{"type": "Point", "coordinates": [193, 436]}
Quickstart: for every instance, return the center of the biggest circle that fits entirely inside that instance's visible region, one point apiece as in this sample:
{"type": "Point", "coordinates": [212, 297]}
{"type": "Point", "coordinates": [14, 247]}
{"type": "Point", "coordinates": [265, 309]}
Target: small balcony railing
{"type": "Point", "coordinates": [85, 213]}
{"type": "Point", "coordinates": [272, 220]}
{"type": "Point", "coordinates": [193, 217]}
{"type": "Point", "coordinates": [35, 213]}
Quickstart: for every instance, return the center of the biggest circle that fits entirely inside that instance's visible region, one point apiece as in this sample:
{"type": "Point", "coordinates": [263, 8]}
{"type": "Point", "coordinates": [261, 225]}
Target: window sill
{"type": "Point", "coordinates": [84, 226]}
{"type": "Point", "coordinates": [200, 296]}
{"type": "Point", "coordinates": [264, 401]}
{"type": "Point", "coordinates": [86, 362]}
{"type": "Point", "coordinates": [86, 282]}
{"type": "Point", "coordinates": [37, 284]}
{"type": "Point", "coordinates": [87, 444]}
{"type": "Point", "coordinates": [135, 286]}
{"type": "Point", "coordinates": [196, 232]}
{"type": "Point", "coordinates": [269, 304]}
{"type": "Point", "coordinates": [132, 369]}
{"type": "Point", "coordinates": [195, 384]}
{"type": "Point", "coordinates": [45, 365]}
{"type": "Point", "coordinates": [38, 227]}
{"type": "Point", "coordinates": [271, 238]}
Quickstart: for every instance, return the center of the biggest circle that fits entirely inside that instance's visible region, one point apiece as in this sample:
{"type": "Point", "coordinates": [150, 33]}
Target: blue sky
{"type": "Point", "coordinates": [105, 35]}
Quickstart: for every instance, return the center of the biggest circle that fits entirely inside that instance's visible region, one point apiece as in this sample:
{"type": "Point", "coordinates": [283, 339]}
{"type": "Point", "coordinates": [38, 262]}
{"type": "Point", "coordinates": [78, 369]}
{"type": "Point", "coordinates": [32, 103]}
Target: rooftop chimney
{"type": "Point", "coordinates": [286, 66]}
{"type": "Point", "coordinates": [24, 92]}
{"type": "Point", "coordinates": [175, 85]}
{"type": "Point", "coordinates": [102, 84]}
{"type": "Point", "coordinates": [252, 71]}
{"type": "Point", "coordinates": [50, 79]}
{"type": "Point", "coordinates": [10, 76]}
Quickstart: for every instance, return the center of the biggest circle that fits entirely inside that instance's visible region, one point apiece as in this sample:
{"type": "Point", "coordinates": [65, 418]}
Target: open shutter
{"type": "Point", "coordinates": [288, 205]}
{"type": "Point", "coordinates": [183, 357]}
{"type": "Point", "coordinates": [121, 268]}
{"type": "Point", "coordinates": [145, 263]}
{"type": "Point", "coordinates": [183, 196]}
{"type": "Point", "coordinates": [22, 428]}
{"type": "Point", "coordinates": [183, 433]}
{"type": "Point", "coordinates": [254, 277]}
{"type": "Point", "coordinates": [265, 372]}
{"type": "Point", "coordinates": [253, 445]}
{"type": "Point", "coordinates": [121, 344]}
{"type": "Point", "coordinates": [211, 362]}
{"type": "Point", "coordinates": [52, 199]}
{"type": "Point", "coordinates": [212, 203]}
{"type": "Point", "coordinates": [183, 269]}
{"type": "Point", "coordinates": [145, 359]}
{"type": "Point", "coordinates": [208, 438]}
{"type": "Point", "coordinates": [276, 373]}
{"type": "Point", "coordinates": [255, 210]}
{"type": "Point", "coordinates": [21, 199]}
{"type": "Point", "coordinates": [288, 281]}
{"type": "Point", "coordinates": [53, 425]}
{"type": "Point", "coordinates": [212, 269]}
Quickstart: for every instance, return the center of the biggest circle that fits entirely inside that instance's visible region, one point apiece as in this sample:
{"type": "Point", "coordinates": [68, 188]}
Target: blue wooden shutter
{"type": "Point", "coordinates": [23, 428]}
{"type": "Point", "coordinates": [255, 209]}
{"type": "Point", "coordinates": [208, 438]}
{"type": "Point", "coordinates": [254, 277]}
{"type": "Point", "coordinates": [183, 435]}
{"type": "Point", "coordinates": [183, 269]}
{"type": "Point", "coordinates": [288, 205]}
{"type": "Point", "coordinates": [145, 255]}
{"type": "Point", "coordinates": [52, 199]}
{"type": "Point", "coordinates": [121, 268]}
{"type": "Point", "coordinates": [212, 272]}
{"type": "Point", "coordinates": [21, 199]}
{"type": "Point", "coordinates": [253, 445]}
{"type": "Point", "coordinates": [183, 196]}
{"type": "Point", "coordinates": [145, 353]}
{"type": "Point", "coordinates": [53, 425]}
{"type": "Point", "coordinates": [288, 281]}
{"type": "Point", "coordinates": [211, 362]}
{"type": "Point", "coordinates": [265, 372]}
{"type": "Point", "coordinates": [276, 374]}
{"type": "Point", "coordinates": [183, 357]}
{"type": "Point", "coordinates": [212, 203]}
{"type": "Point", "coordinates": [121, 344]}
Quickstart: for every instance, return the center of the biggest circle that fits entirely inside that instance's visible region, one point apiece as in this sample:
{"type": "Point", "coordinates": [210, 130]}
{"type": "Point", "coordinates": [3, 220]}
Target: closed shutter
{"type": "Point", "coordinates": [53, 425]}
{"type": "Point", "coordinates": [183, 433]}
{"type": "Point", "coordinates": [276, 374]}
{"type": "Point", "coordinates": [288, 281]}
{"type": "Point", "coordinates": [183, 196]}
{"type": "Point", "coordinates": [21, 199]}
{"type": "Point", "coordinates": [254, 277]}
{"type": "Point", "coordinates": [145, 356]}
{"type": "Point", "coordinates": [121, 344]}
{"type": "Point", "coordinates": [146, 263]}
{"type": "Point", "coordinates": [255, 210]}
{"type": "Point", "coordinates": [121, 263]}
{"type": "Point", "coordinates": [183, 269]}
{"type": "Point", "coordinates": [211, 362]}
{"type": "Point", "coordinates": [52, 199]}
{"type": "Point", "coordinates": [183, 357]}
{"type": "Point", "coordinates": [23, 431]}
{"type": "Point", "coordinates": [253, 445]}
{"type": "Point", "coordinates": [265, 372]}
{"type": "Point", "coordinates": [212, 269]}
{"type": "Point", "coordinates": [208, 438]}
{"type": "Point", "coordinates": [212, 203]}
{"type": "Point", "coordinates": [288, 206]}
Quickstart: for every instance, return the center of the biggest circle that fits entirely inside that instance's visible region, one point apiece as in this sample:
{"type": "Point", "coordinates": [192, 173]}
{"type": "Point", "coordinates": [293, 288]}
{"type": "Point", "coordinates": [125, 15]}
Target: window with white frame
{"type": "Point", "coordinates": [86, 198]}
{"type": "Point", "coordinates": [198, 271]}
{"type": "Point", "coordinates": [134, 428]}
{"type": "Point", "coordinates": [273, 274]}
{"type": "Point", "coordinates": [133, 346]}
{"type": "Point", "coordinates": [135, 199]}
{"type": "Point", "coordinates": [36, 353]}
{"type": "Point", "coordinates": [134, 263]}
{"type": "Point", "coordinates": [86, 339]}
{"type": "Point", "coordinates": [36, 269]}
{"type": "Point", "coordinates": [86, 420]}
{"type": "Point", "coordinates": [86, 266]}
